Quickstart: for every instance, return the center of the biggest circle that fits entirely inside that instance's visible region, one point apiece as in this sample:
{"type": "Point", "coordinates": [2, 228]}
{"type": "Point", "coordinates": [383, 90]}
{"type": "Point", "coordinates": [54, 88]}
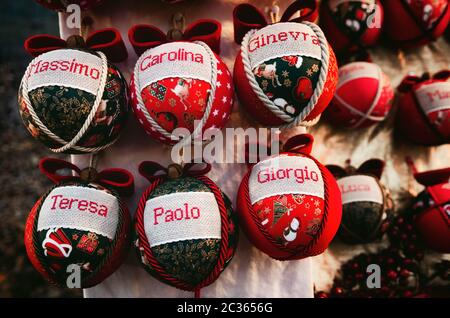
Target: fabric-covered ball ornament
{"type": "Point", "coordinates": [181, 84]}
{"type": "Point", "coordinates": [431, 208]}
{"type": "Point", "coordinates": [78, 233]}
{"type": "Point", "coordinates": [186, 231]}
{"type": "Point", "coordinates": [363, 96]}
{"type": "Point", "coordinates": [423, 115]}
{"type": "Point", "coordinates": [73, 99]}
{"type": "Point", "coordinates": [289, 205]}
{"type": "Point", "coordinates": [61, 5]}
{"type": "Point", "coordinates": [366, 205]}
{"type": "Point", "coordinates": [412, 23]}
{"type": "Point", "coordinates": [351, 25]}
{"type": "Point", "coordinates": [285, 73]}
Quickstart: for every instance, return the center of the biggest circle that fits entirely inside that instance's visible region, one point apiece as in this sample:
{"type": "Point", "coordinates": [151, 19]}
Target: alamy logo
{"type": "Point", "coordinates": [374, 20]}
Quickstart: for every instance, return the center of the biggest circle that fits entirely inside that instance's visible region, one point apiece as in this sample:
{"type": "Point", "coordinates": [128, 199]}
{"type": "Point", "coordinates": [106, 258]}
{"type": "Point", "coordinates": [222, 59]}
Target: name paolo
{"type": "Point", "coordinates": [185, 212]}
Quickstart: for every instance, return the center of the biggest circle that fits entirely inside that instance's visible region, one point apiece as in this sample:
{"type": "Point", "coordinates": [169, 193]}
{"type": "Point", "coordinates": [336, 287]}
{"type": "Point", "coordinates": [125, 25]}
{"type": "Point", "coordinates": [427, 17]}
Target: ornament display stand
{"type": "Point", "coordinates": [251, 273]}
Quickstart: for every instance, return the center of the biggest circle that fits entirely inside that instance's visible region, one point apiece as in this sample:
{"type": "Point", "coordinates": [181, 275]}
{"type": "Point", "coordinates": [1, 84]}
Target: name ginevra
{"type": "Point", "coordinates": [64, 203]}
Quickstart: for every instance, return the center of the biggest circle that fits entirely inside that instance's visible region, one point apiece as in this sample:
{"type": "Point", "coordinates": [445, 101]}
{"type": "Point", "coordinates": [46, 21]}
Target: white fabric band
{"type": "Point", "coordinates": [285, 175]}
{"type": "Point", "coordinates": [283, 39]}
{"type": "Point", "coordinates": [356, 70]}
{"type": "Point", "coordinates": [434, 96]}
{"type": "Point", "coordinates": [182, 216]}
{"type": "Point", "coordinates": [68, 68]}
{"type": "Point", "coordinates": [188, 60]}
{"type": "Point", "coordinates": [360, 188]}
{"type": "Point", "coordinates": [80, 208]}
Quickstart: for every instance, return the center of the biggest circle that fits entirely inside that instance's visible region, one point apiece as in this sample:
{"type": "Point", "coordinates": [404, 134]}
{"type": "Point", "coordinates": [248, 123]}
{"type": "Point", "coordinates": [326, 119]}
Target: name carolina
{"type": "Point", "coordinates": [72, 66]}
{"type": "Point", "coordinates": [267, 39]}
{"type": "Point", "coordinates": [179, 55]}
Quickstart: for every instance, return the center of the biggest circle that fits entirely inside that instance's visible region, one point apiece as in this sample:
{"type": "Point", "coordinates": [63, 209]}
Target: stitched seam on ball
{"type": "Point", "coordinates": [66, 145]}
{"type": "Point", "coordinates": [188, 139]}
{"type": "Point", "coordinates": [300, 119]}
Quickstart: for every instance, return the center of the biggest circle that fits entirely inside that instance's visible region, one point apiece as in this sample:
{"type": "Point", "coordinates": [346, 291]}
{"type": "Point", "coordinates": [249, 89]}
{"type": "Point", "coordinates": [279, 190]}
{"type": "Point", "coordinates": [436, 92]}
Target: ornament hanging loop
{"type": "Point", "coordinates": [90, 174]}
{"type": "Point", "coordinates": [178, 27]}
{"type": "Point", "coordinates": [273, 12]}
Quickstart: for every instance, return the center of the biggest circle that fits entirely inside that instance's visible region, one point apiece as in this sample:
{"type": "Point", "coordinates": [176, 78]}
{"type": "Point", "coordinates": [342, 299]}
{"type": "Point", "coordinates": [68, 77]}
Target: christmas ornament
{"type": "Point", "coordinates": [431, 208]}
{"type": "Point", "coordinates": [423, 115]}
{"type": "Point", "coordinates": [77, 233]}
{"type": "Point", "coordinates": [181, 84]}
{"type": "Point", "coordinates": [61, 5]}
{"type": "Point", "coordinates": [285, 73]}
{"type": "Point", "coordinates": [351, 25]}
{"type": "Point", "coordinates": [411, 23]}
{"type": "Point", "coordinates": [289, 204]}
{"type": "Point", "coordinates": [72, 99]}
{"type": "Point", "coordinates": [366, 205]}
{"type": "Point", "coordinates": [186, 232]}
{"type": "Point", "coordinates": [363, 96]}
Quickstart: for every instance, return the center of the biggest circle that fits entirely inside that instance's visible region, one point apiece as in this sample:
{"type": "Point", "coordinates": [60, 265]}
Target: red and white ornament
{"type": "Point", "coordinates": [180, 84]}
{"type": "Point", "coordinates": [350, 25]}
{"type": "Point", "coordinates": [285, 73]}
{"type": "Point", "coordinates": [423, 115]}
{"type": "Point", "coordinates": [78, 233]}
{"type": "Point", "coordinates": [411, 23]}
{"type": "Point", "coordinates": [432, 208]}
{"type": "Point", "coordinates": [363, 96]}
{"type": "Point", "coordinates": [289, 205]}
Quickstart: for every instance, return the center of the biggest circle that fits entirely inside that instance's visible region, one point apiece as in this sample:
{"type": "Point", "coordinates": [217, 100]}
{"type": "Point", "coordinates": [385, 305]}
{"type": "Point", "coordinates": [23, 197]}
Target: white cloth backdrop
{"type": "Point", "coordinates": [251, 273]}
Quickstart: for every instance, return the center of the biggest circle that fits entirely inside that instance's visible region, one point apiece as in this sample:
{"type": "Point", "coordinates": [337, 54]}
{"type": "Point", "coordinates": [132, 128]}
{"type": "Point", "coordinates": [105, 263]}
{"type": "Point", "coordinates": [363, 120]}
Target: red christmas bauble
{"type": "Point", "coordinates": [285, 73]}
{"type": "Point", "coordinates": [432, 209]}
{"type": "Point", "coordinates": [363, 96]}
{"type": "Point", "coordinates": [423, 115]}
{"type": "Point", "coordinates": [61, 5]}
{"type": "Point", "coordinates": [77, 228]}
{"type": "Point", "coordinates": [411, 23]}
{"type": "Point", "coordinates": [181, 85]}
{"type": "Point", "coordinates": [186, 230]}
{"type": "Point", "coordinates": [351, 25]}
{"type": "Point", "coordinates": [289, 205]}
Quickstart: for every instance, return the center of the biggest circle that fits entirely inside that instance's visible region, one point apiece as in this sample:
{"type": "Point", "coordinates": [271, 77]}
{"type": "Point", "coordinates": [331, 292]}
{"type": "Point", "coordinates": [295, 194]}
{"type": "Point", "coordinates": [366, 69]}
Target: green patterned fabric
{"type": "Point", "coordinates": [191, 261]}
{"type": "Point", "coordinates": [289, 81]}
{"type": "Point", "coordinates": [88, 250]}
{"type": "Point", "coordinates": [63, 110]}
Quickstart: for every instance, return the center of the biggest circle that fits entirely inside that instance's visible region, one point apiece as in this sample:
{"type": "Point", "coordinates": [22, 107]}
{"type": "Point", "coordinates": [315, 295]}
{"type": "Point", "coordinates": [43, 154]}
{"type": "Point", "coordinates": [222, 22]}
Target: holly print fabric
{"type": "Point", "coordinates": [292, 219]}
{"type": "Point", "coordinates": [289, 81]}
{"type": "Point", "coordinates": [427, 12]}
{"type": "Point", "coordinates": [191, 261]}
{"type": "Point", "coordinates": [64, 110]}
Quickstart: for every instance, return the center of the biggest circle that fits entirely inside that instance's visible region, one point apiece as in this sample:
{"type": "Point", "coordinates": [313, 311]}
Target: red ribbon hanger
{"type": "Point", "coordinates": [108, 41]}
{"type": "Point", "coordinates": [247, 17]}
{"type": "Point", "coordinates": [374, 167]}
{"type": "Point", "coordinates": [410, 81]}
{"type": "Point", "coordinates": [144, 36]}
{"type": "Point", "coordinates": [152, 170]}
{"type": "Point", "coordinates": [120, 180]}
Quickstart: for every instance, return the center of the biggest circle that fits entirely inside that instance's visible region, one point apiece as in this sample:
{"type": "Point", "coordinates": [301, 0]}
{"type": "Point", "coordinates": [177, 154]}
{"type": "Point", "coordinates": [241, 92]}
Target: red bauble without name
{"type": "Point", "coordinates": [415, 22]}
{"type": "Point", "coordinates": [77, 227]}
{"type": "Point", "coordinates": [181, 85]}
{"type": "Point", "coordinates": [432, 209]}
{"type": "Point", "coordinates": [423, 115]}
{"type": "Point", "coordinates": [350, 25]}
{"type": "Point", "coordinates": [289, 205]}
{"type": "Point", "coordinates": [363, 96]}
{"type": "Point", "coordinates": [285, 74]}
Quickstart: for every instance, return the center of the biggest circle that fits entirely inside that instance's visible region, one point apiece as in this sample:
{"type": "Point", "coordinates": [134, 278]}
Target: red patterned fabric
{"type": "Point", "coordinates": [416, 22]}
{"type": "Point", "coordinates": [172, 111]}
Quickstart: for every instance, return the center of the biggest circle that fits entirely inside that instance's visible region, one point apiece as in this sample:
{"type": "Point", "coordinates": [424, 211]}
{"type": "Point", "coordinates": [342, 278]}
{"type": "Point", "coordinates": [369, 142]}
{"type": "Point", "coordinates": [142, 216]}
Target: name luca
{"type": "Point", "coordinates": [62, 203]}
{"type": "Point", "coordinates": [185, 212]}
